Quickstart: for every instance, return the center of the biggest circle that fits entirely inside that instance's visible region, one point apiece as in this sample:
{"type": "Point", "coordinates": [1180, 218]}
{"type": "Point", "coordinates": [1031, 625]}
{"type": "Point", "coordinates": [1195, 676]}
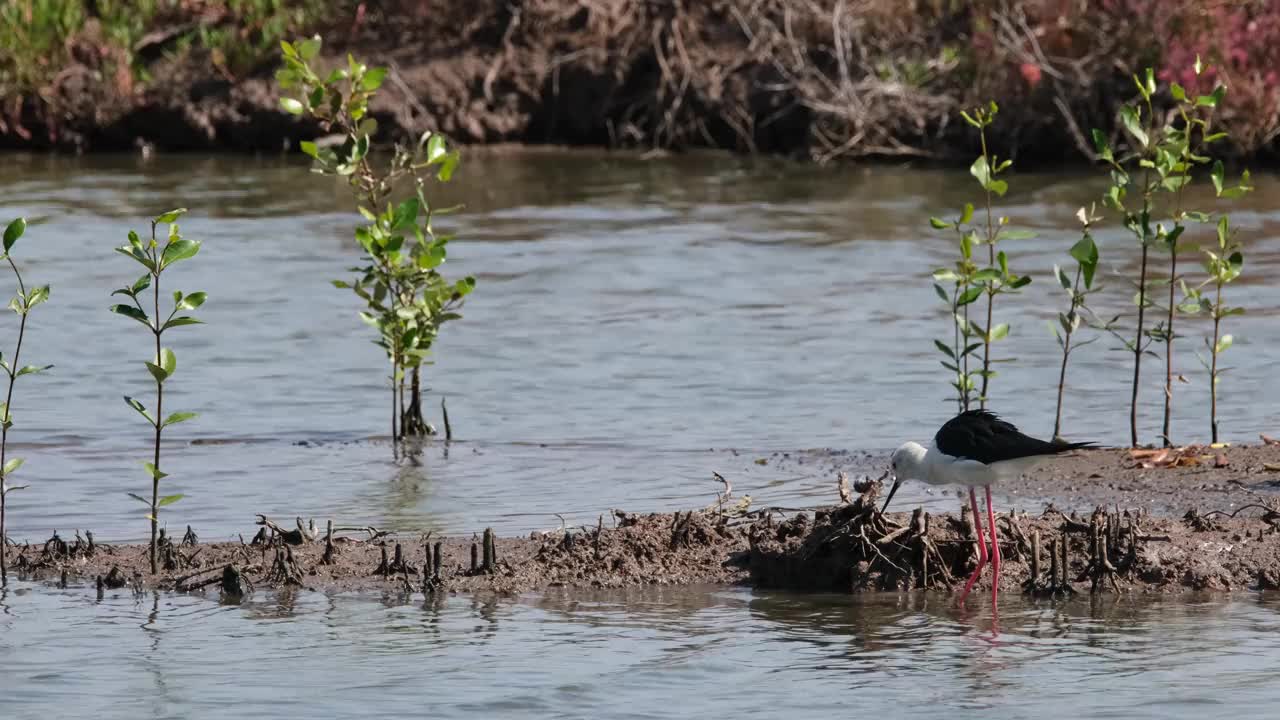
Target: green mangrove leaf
{"type": "Point", "coordinates": [169, 217]}
{"type": "Point", "coordinates": [981, 171]}
{"type": "Point", "coordinates": [406, 214]}
{"type": "Point", "coordinates": [435, 148]}
{"type": "Point", "coordinates": [137, 253]}
{"type": "Point", "coordinates": [969, 296]}
{"type": "Point", "coordinates": [178, 417]}
{"type": "Point", "coordinates": [13, 231]}
{"type": "Point", "coordinates": [1224, 342]}
{"type": "Point", "coordinates": [168, 361]}
{"type": "Point", "coordinates": [157, 372]}
{"type": "Point", "coordinates": [169, 499]}
{"type": "Point", "coordinates": [1085, 251]}
{"type": "Point", "coordinates": [309, 48]}
{"type": "Point", "coordinates": [153, 472]}
{"type": "Point", "coordinates": [32, 369]}
{"type": "Point", "coordinates": [448, 165]}
{"type": "Point", "coordinates": [372, 79]}
{"type": "Point", "coordinates": [37, 296]}
{"type": "Point", "coordinates": [1214, 99]}
{"type": "Point", "coordinates": [141, 410]}
{"type": "Point", "coordinates": [15, 463]}
{"type": "Point", "coordinates": [1063, 280]}
{"type": "Point", "coordinates": [291, 106]}
{"type": "Point", "coordinates": [1101, 145]}
{"type": "Point", "coordinates": [179, 250]}
{"type": "Point", "coordinates": [998, 332]}
{"type": "Point", "coordinates": [180, 321]}
{"type": "Point", "coordinates": [131, 312]}
{"type": "Point", "coordinates": [1131, 118]}
{"type": "Point", "coordinates": [939, 223]}
{"type": "Point", "coordinates": [192, 301]}
{"type": "Point", "coordinates": [140, 499]}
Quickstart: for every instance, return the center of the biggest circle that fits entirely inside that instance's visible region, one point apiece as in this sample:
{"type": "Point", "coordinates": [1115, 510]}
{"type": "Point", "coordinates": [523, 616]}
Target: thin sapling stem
{"type": "Point", "coordinates": [22, 304]}
{"type": "Point", "coordinates": [156, 258]}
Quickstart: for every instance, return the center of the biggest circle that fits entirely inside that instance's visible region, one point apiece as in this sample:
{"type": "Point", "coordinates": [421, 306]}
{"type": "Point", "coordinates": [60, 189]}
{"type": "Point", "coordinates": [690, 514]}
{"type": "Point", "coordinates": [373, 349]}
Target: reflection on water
{"type": "Point", "coordinates": [651, 653]}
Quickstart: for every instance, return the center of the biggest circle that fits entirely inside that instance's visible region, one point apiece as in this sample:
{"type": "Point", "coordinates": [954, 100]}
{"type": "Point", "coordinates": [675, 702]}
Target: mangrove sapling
{"type": "Point", "coordinates": [964, 290]}
{"type": "Point", "coordinates": [407, 298]}
{"type": "Point", "coordinates": [972, 282]}
{"type": "Point", "coordinates": [1223, 264]}
{"type": "Point", "coordinates": [1085, 253]}
{"type": "Point", "coordinates": [1167, 156]}
{"type": "Point", "coordinates": [22, 304]}
{"type": "Point", "coordinates": [157, 258]}
{"type": "Point", "coordinates": [1136, 222]}
{"type": "Point", "coordinates": [1174, 169]}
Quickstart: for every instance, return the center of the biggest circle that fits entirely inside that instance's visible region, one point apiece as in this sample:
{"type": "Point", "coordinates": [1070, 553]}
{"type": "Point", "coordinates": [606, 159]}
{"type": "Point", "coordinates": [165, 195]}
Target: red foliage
{"type": "Point", "coordinates": [1238, 42]}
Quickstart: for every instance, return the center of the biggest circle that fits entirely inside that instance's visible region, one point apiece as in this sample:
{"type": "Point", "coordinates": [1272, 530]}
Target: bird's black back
{"type": "Point", "coordinates": [980, 435]}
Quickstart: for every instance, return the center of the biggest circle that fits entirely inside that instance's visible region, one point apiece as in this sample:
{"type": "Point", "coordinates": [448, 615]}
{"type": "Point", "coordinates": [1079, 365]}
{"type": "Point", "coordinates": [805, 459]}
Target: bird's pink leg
{"type": "Point", "coordinates": [995, 550]}
{"type": "Point", "coordinates": [982, 546]}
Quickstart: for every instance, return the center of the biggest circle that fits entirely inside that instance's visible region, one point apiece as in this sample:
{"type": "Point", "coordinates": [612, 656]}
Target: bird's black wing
{"type": "Point", "coordinates": [980, 435]}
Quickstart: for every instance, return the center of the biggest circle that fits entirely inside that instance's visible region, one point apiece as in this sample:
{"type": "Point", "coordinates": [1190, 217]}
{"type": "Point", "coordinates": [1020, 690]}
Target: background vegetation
{"type": "Point", "coordinates": [818, 78]}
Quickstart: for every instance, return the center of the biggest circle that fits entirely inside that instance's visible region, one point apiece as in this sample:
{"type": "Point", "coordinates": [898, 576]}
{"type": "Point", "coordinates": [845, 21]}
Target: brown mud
{"type": "Point", "coordinates": [1231, 544]}
{"type": "Point", "coordinates": [1162, 483]}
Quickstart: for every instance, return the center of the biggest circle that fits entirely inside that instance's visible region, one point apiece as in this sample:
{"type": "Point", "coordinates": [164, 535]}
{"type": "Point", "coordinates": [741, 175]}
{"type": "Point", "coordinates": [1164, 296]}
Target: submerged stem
{"type": "Point", "coordinates": [1213, 368]}
{"type": "Point", "coordinates": [155, 477]}
{"type": "Point", "coordinates": [1066, 352]}
{"type": "Point", "coordinates": [955, 298]}
{"type": "Point", "coordinates": [1137, 347]}
{"type": "Point", "coordinates": [4, 432]}
{"type": "Point", "coordinates": [1168, 346]}
{"type": "Point", "coordinates": [991, 288]}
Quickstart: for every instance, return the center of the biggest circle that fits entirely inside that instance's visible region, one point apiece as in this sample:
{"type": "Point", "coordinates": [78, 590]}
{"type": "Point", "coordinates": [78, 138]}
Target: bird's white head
{"type": "Point", "coordinates": [907, 462]}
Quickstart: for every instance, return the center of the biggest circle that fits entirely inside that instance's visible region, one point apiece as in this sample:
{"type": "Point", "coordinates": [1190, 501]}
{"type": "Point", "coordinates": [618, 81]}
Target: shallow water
{"type": "Point", "coordinates": [653, 653]}
{"type": "Point", "coordinates": [636, 322]}
{"type": "Point", "coordinates": [638, 325]}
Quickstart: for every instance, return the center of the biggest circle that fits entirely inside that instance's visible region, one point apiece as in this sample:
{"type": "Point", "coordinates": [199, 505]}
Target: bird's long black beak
{"type": "Point", "coordinates": [896, 482]}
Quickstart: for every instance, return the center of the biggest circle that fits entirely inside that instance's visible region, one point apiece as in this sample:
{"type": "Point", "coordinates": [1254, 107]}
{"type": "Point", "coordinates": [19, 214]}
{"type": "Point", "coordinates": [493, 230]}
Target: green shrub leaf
{"type": "Point", "coordinates": [13, 231]}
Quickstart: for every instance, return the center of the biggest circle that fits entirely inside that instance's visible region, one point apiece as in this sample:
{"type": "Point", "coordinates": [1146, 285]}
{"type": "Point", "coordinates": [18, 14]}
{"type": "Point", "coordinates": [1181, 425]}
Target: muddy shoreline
{"type": "Point", "coordinates": [752, 77]}
{"type": "Point", "coordinates": [1225, 537]}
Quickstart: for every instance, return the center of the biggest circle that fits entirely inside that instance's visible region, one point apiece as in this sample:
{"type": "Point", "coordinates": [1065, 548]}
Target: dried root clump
{"type": "Point", "coordinates": [851, 546]}
{"type": "Point", "coordinates": [284, 568]}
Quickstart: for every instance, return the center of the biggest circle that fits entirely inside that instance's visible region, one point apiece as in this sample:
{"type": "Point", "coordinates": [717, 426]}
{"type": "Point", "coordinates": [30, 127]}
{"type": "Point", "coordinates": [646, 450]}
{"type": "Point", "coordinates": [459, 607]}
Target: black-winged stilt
{"type": "Point", "coordinates": [975, 448]}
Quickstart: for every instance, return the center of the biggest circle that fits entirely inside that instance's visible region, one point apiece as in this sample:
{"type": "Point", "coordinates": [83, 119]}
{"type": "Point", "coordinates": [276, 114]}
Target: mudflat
{"type": "Point", "coordinates": [1111, 521]}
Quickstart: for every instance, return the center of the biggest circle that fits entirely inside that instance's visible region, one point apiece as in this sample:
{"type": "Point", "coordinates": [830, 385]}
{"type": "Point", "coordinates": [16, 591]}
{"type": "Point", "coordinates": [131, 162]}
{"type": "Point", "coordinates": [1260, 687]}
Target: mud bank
{"type": "Point", "coordinates": [1154, 481]}
{"type": "Point", "coordinates": [846, 547]}
{"type": "Point", "coordinates": [818, 80]}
